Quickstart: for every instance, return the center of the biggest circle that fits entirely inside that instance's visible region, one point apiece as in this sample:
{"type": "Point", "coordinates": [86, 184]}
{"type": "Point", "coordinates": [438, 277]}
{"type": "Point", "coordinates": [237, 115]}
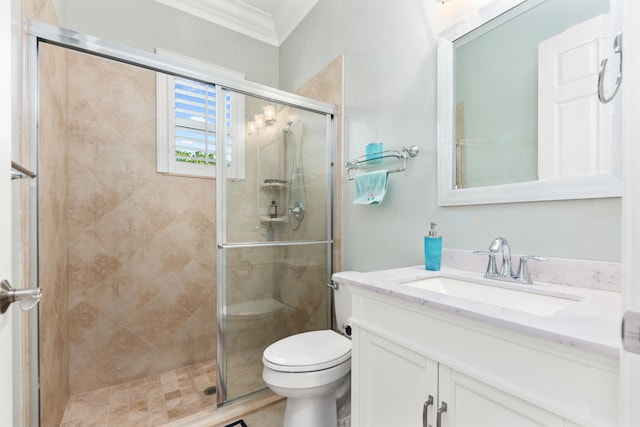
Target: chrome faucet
{"type": "Point", "coordinates": [500, 245]}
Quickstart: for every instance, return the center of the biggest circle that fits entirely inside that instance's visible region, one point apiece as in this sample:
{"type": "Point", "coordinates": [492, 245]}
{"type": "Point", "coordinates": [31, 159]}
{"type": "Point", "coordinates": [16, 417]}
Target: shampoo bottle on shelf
{"type": "Point", "coordinates": [273, 209]}
{"type": "Point", "coordinates": [432, 249]}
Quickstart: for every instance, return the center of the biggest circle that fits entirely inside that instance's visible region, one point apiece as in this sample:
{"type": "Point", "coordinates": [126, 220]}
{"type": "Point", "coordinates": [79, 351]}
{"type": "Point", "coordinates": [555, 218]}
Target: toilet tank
{"type": "Point", "coordinates": [342, 303]}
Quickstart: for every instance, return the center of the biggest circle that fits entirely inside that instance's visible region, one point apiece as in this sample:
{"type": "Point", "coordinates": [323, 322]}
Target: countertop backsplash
{"type": "Point", "coordinates": [600, 275]}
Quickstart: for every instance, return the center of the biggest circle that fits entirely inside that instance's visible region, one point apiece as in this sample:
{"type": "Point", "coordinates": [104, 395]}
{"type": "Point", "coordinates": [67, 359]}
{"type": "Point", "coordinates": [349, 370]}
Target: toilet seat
{"type": "Point", "coordinates": [307, 352]}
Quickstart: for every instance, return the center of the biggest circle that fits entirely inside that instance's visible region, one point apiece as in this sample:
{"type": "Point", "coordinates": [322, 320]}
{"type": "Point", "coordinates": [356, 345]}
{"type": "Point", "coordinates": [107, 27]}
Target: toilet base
{"type": "Point", "coordinates": [319, 411]}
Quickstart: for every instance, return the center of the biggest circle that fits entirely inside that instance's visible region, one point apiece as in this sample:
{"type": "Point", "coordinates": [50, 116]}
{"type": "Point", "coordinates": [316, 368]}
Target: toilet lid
{"type": "Point", "coordinates": [308, 351]}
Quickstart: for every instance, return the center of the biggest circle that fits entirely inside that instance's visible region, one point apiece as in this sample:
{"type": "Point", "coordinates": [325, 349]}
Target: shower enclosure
{"type": "Point", "coordinates": [148, 269]}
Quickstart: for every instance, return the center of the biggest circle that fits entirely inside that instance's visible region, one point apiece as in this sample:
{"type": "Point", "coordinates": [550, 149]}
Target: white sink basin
{"type": "Point", "coordinates": [514, 299]}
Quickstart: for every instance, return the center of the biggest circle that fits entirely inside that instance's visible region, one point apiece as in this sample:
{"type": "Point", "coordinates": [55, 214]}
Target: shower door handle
{"type": "Point", "coordinates": [28, 298]}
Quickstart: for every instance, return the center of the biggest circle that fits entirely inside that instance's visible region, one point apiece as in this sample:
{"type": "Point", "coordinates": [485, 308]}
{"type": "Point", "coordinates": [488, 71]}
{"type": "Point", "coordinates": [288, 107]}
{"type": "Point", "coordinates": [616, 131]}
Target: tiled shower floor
{"type": "Point", "coordinates": [151, 401]}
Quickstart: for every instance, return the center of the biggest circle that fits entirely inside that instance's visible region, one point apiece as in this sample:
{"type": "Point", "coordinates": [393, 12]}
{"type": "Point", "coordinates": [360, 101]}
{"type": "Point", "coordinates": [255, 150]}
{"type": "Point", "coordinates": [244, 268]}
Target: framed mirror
{"type": "Point", "coordinates": [518, 112]}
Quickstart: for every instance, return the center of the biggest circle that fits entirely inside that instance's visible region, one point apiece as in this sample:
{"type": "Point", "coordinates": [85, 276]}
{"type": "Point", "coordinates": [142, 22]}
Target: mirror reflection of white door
{"type": "Point", "coordinates": [6, 325]}
{"type": "Point", "coordinates": [574, 128]}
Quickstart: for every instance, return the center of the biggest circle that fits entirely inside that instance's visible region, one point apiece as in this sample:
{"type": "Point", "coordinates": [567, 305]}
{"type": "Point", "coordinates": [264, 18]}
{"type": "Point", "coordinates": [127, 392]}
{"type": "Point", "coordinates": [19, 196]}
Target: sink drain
{"type": "Point", "coordinates": [210, 390]}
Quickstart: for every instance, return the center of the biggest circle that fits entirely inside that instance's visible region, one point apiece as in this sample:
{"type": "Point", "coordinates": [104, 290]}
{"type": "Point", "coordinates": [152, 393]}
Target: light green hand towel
{"type": "Point", "coordinates": [371, 187]}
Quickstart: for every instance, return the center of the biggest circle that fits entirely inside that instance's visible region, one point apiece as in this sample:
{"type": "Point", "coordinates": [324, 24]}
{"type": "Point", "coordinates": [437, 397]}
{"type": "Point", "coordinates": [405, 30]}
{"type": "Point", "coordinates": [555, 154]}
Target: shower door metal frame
{"type": "Point", "coordinates": [223, 245]}
{"type": "Point", "coordinates": [39, 32]}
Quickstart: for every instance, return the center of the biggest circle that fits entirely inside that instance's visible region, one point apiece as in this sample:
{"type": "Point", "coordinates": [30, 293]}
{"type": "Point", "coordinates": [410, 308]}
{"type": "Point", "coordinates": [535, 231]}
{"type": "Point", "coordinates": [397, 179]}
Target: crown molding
{"type": "Point", "coordinates": [271, 27]}
{"type": "Point", "coordinates": [286, 18]}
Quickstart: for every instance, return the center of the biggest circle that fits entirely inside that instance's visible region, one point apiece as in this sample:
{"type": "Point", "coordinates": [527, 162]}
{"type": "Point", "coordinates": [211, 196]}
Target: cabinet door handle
{"type": "Point", "coordinates": [443, 408]}
{"type": "Point", "coordinates": [425, 410]}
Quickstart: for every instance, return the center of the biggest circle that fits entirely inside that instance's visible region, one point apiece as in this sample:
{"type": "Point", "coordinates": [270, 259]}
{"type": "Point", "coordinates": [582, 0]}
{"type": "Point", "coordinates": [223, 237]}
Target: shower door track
{"type": "Point", "coordinates": [42, 32]}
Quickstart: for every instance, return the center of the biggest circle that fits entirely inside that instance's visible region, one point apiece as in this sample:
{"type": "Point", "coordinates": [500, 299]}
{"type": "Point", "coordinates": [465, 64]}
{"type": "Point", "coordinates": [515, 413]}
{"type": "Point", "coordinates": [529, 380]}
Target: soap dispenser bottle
{"type": "Point", "coordinates": [432, 249]}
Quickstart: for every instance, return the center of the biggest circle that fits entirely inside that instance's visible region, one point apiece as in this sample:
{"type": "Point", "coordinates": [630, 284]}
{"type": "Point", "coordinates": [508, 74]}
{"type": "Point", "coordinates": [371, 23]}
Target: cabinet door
{"type": "Point", "coordinates": [391, 383]}
{"type": "Point", "coordinates": [471, 403]}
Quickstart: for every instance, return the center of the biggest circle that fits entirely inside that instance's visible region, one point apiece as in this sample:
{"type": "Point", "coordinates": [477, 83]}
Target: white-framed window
{"type": "Point", "coordinates": [195, 119]}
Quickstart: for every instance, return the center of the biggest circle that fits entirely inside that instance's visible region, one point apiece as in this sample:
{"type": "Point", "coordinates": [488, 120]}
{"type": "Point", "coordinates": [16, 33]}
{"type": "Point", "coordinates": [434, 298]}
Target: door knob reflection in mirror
{"type": "Point", "coordinates": [617, 48]}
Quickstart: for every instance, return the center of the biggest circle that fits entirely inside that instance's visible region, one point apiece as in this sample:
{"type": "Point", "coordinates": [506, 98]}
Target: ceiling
{"type": "Point", "coordinates": [270, 21]}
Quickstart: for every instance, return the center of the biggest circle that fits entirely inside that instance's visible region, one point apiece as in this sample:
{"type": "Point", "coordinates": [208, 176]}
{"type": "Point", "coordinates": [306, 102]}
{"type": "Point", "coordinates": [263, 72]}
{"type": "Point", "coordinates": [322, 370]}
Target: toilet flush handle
{"type": "Point", "coordinates": [345, 327]}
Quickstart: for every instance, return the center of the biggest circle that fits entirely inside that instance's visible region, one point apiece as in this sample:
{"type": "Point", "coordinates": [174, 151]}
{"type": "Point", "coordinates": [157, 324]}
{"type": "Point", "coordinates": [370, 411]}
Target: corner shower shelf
{"type": "Point", "coordinates": [274, 185]}
{"type": "Point", "coordinates": [274, 190]}
{"type": "Point", "coordinates": [373, 160]}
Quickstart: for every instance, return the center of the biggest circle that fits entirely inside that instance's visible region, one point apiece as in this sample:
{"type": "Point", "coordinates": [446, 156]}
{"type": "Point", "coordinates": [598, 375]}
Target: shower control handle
{"type": "Point", "coordinates": [425, 411]}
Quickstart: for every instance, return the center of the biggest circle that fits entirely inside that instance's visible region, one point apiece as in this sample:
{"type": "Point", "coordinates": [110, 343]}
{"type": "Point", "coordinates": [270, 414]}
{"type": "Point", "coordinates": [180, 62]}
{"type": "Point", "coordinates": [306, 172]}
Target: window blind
{"type": "Point", "coordinates": [195, 122]}
{"type": "Point", "coordinates": [189, 132]}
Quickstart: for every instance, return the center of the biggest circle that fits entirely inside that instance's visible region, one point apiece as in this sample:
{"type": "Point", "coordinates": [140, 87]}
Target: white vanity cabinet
{"type": "Point", "coordinates": [391, 383]}
{"type": "Point", "coordinates": [403, 352]}
{"type": "Point", "coordinates": [475, 403]}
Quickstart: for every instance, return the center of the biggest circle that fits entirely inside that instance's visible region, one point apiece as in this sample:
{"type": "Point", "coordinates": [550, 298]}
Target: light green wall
{"type": "Point", "coordinates": [390, 96]}
{"type": "Point", "coordinates": [147, 24]}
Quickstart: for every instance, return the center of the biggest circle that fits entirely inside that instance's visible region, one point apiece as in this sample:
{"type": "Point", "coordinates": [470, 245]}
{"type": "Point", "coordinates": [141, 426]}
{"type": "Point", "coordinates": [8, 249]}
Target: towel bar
{"type": "Point", "coordinates": [402, 154]}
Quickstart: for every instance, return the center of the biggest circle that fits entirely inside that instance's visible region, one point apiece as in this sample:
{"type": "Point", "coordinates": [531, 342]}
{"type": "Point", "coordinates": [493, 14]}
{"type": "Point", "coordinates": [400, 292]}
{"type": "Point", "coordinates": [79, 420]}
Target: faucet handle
{"type": "Point", "coordinates": [492, 269]}
{"type": "Point", "coordinates": [523, 275]}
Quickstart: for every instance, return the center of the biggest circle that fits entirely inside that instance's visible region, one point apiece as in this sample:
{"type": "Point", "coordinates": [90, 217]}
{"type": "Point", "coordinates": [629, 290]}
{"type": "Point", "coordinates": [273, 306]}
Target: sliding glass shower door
{"type": "Point", "coordinates": [274, 233]}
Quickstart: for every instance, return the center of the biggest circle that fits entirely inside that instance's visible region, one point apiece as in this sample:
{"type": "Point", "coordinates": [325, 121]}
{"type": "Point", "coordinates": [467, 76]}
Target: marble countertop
{"type": "Point", "coordinates": [591, 323]}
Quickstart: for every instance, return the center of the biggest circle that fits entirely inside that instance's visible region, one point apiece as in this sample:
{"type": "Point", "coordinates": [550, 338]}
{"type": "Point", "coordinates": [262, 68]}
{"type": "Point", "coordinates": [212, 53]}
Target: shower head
{"type": "Point", "coordinates": [287, 126]}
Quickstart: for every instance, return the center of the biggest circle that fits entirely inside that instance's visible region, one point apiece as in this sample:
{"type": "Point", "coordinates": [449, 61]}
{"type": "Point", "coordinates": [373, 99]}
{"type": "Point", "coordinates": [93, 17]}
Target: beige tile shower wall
{"type": "Point", "coordinates": [53, 231]}
{"type": "Point", "coordinates": [302, 287]}
{"type": "Point", "coordinates": [142, 263]}
{"type": "Point", "coordinates": [250, 271]}
{"type": "Point", "coordinates": [311, 140]}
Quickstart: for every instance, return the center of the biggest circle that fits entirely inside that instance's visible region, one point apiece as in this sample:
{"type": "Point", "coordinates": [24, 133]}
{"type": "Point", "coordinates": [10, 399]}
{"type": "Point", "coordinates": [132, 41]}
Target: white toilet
{"type": "Point", "coordinates": [310, 369]}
